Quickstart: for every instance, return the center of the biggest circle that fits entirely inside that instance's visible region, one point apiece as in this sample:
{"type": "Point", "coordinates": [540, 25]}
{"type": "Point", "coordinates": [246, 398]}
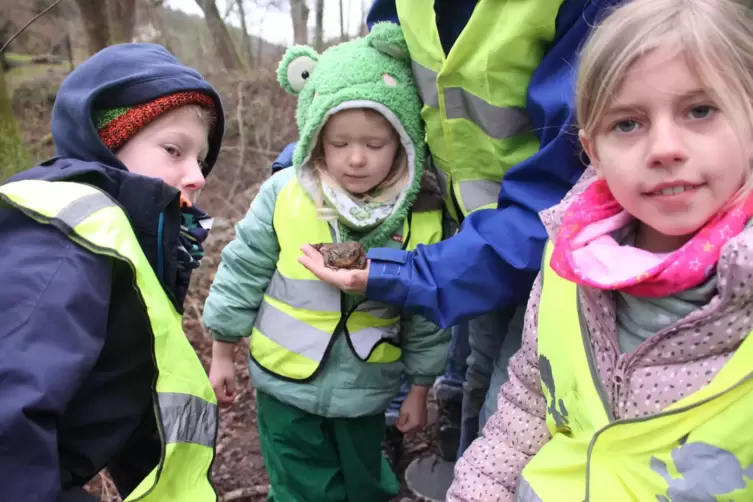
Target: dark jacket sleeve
{"type": "Point", "coordinates": [495, 257]}
{"type": "Point", "coordinates": [285, 159]}
{"type": "Point", "coordinates": [54, 298]}
{"type": "Point", "coordinates": [382, 10]}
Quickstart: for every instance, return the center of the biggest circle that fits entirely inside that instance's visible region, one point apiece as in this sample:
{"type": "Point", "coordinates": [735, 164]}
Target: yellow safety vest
{"type": "Point", "coordinates": [474, 98]}
{"type": "Point", "coordinates": [700, 448]}
{"type": "Point", "coordinates": [300, 315]}
{"type": "Point", "coordinates": [184, 403]}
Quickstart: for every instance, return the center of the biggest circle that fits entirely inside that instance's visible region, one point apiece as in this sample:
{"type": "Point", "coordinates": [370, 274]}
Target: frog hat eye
{"type": "Point", "coordinates": [299, 70]}
{"type": "Point", "coordinates": [296, 67]}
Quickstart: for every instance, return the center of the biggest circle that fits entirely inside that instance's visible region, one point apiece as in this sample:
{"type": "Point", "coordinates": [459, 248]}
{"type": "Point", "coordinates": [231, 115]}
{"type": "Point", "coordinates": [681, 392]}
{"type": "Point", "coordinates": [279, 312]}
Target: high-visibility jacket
{"type": "Point", "coordinates": [300, 315]}
{"type": "Point", "coordinates": [700, 448]}
{"type": "Point", "coordinates": [474, 97]}
{"type": "Point", "coordinates": [184, 403]}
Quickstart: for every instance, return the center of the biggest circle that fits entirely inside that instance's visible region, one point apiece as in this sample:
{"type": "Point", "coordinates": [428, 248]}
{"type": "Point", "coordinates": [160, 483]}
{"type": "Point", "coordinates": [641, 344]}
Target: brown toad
{"type": "Point", "coordinates": [347, 255]}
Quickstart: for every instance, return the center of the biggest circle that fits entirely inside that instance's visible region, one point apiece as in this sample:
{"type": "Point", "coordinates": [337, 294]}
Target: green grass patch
{"type": "Point", "coordinates": [14, 57]}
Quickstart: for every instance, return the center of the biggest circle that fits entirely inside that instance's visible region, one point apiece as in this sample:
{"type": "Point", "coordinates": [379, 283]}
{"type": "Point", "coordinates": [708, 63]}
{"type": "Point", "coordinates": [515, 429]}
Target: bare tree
{"type": "Point", "coordinates": [228, 10]}
{"type": "Point", "coordinates": [111, 23]}
{"type": "Point", "coordinates": [122, 20]}
{"type": "Point", "coordinates": [363, 30]}
{"type": "Point", "coordinates": [13, 150]}
{"type": "Point", "coordinates": [342, 22]}
{"type": "Point", "coordinates": [244, 33]}
{"type": "Point", "coordinates": [319, 29]}
{"type": "Point", "coordinates": [155, 11]}
{"type": "Point", "coordinates": [299, 12]}
{"type": "Point", "coordinates": [96, 25]}
{"type": "Point", "coordinates": [260, 42]}
{"type": "Point", "coordinates": [223, 44]}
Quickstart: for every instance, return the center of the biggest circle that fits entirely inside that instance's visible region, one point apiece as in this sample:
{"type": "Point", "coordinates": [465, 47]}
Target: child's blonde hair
{"type": "Point", "coordinates": [715, 36]}
{"type": "Point", "coordinates": [206, 115]}
{"type": "Point", "coordinates": [388, 189]}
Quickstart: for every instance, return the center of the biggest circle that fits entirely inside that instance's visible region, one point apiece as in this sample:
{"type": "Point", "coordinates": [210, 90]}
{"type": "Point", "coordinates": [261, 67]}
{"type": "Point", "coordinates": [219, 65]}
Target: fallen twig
{"type": "Point", "coordinates": [199, 320]}
{"type": "Point", "coordinates": [46, 140]}
{"type": "Point", "coordinates": [108, 491]}
{"type": "Point", "coordinates": [244, 493]}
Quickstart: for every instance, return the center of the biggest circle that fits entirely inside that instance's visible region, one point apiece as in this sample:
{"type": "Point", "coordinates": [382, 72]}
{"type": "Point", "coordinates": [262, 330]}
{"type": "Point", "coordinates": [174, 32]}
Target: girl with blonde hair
{"type": "Point", "coordinates": [635, 380]}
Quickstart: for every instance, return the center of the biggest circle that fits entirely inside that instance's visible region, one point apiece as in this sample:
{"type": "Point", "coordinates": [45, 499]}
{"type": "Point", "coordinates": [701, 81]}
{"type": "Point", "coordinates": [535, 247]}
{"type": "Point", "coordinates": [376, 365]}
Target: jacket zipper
{"type": "Point", "coordinates": [605, 402]}
{"type": "Point", "coordinates": [742, 381]}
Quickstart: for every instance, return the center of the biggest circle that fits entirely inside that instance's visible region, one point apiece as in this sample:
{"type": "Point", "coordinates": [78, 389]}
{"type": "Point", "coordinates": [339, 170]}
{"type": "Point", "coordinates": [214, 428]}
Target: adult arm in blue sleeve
{"type": "Point", "coordinates": [285, 159]}
{"type": "Point", "coordinates": [54, 299]}
{"type": "Point", "coordinates": [495, 257]}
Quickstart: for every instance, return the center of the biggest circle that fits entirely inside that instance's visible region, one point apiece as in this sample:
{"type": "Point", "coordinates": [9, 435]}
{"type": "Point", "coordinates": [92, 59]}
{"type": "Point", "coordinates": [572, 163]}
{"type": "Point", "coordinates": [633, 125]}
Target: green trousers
{"type": "Point", "coordinates": [315, 459]}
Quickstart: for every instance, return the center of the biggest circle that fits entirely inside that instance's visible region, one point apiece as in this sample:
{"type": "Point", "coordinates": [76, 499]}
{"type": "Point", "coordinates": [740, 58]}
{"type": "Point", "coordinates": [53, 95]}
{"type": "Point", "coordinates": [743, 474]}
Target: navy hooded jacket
{"type": "Point", "coordinates": [493, 260]}
{"type": "Point", "coordinates": [76, 356]}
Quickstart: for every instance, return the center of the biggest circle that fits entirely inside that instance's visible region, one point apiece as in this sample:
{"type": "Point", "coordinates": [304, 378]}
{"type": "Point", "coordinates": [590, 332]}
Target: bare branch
{"type": "Point", "coordinates": [319, 26]}
{"type": "Point", "coordinates": [228, 11]}
{"type": "Point", "coordinates": [246, 493]}
{"type": "Point", "coordinates": [199, 319]}
{"type": "Point", "coordinates": [246, 45]}
{"type": "Point", "coordinates": [16, 34]}
{"type": "Point", "coordinates": [223, 43]}
{"type": "Point", "coordinates": [242, 142]}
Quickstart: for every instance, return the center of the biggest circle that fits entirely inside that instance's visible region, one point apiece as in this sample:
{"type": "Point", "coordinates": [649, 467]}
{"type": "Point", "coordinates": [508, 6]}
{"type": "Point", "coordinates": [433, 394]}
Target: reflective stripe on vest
{"type": "Point", "coordinates": [474, 98]}
{"type": "Point", "coordinates": [299, 314]}
{"type": "Point", "coordinates": [185, 405]}
{"type": "Point", "coordinates": [700, 448]}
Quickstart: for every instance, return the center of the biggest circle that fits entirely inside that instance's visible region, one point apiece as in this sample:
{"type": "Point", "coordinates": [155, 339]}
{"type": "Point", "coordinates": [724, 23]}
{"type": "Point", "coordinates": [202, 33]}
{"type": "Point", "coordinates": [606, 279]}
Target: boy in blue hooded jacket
{"type": "Point", "coordinates": [83, 332]}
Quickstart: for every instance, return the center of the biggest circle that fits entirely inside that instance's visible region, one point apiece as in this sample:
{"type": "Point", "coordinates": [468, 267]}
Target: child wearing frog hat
{"type": "Point", "coordinates": [326, 365]}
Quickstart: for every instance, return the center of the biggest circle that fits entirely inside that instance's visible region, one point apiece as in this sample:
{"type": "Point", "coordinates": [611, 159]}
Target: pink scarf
{"type": "Point", "coordinates": [585, 253]}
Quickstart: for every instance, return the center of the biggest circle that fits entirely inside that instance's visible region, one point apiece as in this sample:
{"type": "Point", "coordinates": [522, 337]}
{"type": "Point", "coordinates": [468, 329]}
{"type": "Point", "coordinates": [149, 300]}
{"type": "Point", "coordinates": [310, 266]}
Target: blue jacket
{"type": "Point", "coordinates": [76, 361]}
{"type": "Point", "coordinates": [497, 253]}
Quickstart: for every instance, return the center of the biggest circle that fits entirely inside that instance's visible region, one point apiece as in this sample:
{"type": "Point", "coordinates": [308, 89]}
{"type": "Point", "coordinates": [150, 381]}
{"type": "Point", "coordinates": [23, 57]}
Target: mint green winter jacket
{"type": "Point", "coordinates": [345, 386]}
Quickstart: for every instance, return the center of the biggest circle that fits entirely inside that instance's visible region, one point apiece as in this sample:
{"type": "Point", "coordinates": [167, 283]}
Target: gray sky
{"type": "Point", "coordinates": [276, 26]}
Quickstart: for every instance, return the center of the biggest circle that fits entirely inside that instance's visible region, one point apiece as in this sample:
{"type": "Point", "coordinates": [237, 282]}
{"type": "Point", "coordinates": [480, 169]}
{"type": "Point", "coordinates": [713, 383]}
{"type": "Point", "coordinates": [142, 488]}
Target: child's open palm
{"type": "Point", "coordinates": [350, 281]}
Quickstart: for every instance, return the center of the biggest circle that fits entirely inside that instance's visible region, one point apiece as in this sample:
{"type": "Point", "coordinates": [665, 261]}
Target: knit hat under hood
{"type": "Point", "coordinates": [117, 125]}
{"type": "Point", "coordinates": [369, 72]}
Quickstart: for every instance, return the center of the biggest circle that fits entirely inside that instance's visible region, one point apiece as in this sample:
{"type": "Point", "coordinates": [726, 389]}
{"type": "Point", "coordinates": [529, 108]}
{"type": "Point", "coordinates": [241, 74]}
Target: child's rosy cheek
{"type": "Point", "coordinates": [389, 80]}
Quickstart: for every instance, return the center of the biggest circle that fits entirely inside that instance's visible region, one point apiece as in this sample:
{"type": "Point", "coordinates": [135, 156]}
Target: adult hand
{"type": "Point", "coordinates": [350, 281]}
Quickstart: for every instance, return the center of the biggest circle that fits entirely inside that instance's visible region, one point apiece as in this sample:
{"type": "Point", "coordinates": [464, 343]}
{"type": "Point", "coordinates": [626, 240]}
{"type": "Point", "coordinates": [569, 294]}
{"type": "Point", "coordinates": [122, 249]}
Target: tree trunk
{"type": "Point", "coordinates": [13, 152]}
{"type": "Point", "coordinates": [364, 28]}
{"type": "Point", "coordinates": [244, 33]}
{"type": "Point", "coordinates": [155, 11]}
{"type": "Point", "coordinates": [299, 12]}
{"type": "Point", "coordinates": [260, 44]}
{"type": "Point", "coordinates": [223, 44]}
{"type": "Point", "coordinates": [342, 22]}
{"type": "Point", "coordinates": [123, 20]}
{"type": "Point", "coordinates": [319, 30]}
{"type": "Point", "coordinates": [94, 18]}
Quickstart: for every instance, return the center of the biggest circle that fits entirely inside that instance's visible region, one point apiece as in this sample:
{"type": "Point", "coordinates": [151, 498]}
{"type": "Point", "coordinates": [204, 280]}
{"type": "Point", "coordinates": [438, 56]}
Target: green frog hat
{"type": "Point", "coordinates": [369, 72]}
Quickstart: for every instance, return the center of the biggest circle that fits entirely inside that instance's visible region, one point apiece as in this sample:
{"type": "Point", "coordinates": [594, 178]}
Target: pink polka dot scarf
{"type": "Point", "coordinates": [586, 253]}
